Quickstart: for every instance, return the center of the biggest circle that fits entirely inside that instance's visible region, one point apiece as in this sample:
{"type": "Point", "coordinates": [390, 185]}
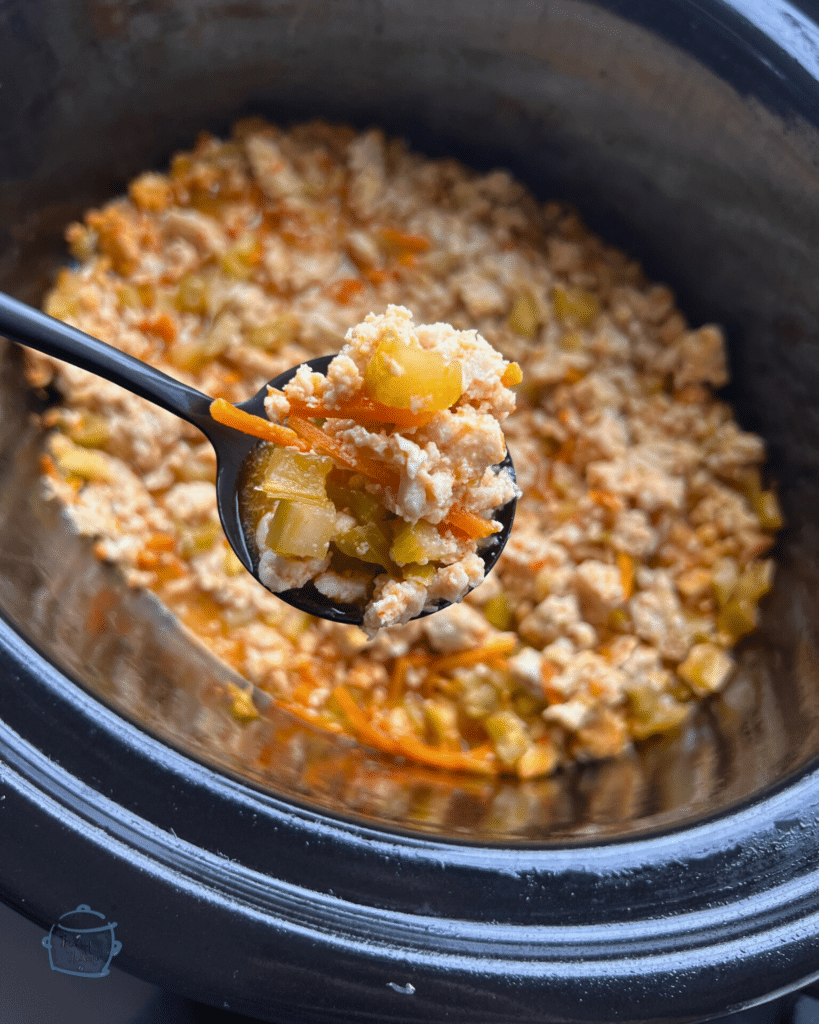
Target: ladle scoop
{"type": "Point", "coordinates": [28, 326]}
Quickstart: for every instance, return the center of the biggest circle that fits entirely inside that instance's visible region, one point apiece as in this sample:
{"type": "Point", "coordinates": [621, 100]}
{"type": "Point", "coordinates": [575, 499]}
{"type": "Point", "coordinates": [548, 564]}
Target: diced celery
{"type": "Point", "coordinates": [499, 612]}
{"type": "Point", "coordinates": [192, 294]}
{"type": "Point", "coordinates": [738, 617]}
{"type": "Point", "coordinates": [302, 530]}
{"type": "Point", "coordinates": [85, 463]}
{"type": "Point", "coordinates": [241, 704]}
{"type": "Point", "coordinates": [239, 260]}
{"type": "Point", "coordinates": [706, 668]}
{"type": "Point", "coordinates": [767, 508]}
{"type": "Point", "coordinates": [508, 735]}
{"type": "Point", "coordinates": [524, 317]}
{"type": "Point", "coordinates": [282, 473]}
{"type": "Point", "coordinates": [654, 712]}
{"type": "Point", "coordinates": [91, 432]}
{"type": "Point", "coordinates": [362, 506]}
{"type": "Point", "coordinates": [442, 718]}
{"type": "Point", "coordinates": [479, 698]}
{"type": "Point", "coordinates": [367, 543]}
{"type": "Point", "coordinates": [417, 542]}
{"type": "Point", "coordinates": [196, 539]}
{"type": "Point", "coordinates": [273, 334]}
{"type": "Point", "coordinates": [410, 377]}
{"type": "Point", "coordinates": [725, 579]}
{"type": "Point", "coordinates": [756, 581]}
{"type": "Point", "coordinates": [414, 571]}
{"type": "Point", "coordinates": [233, 564]}
{"type": "Point", "coordinates": [573, 305]}
{"type": "Point", "coordinates": [539, 759]}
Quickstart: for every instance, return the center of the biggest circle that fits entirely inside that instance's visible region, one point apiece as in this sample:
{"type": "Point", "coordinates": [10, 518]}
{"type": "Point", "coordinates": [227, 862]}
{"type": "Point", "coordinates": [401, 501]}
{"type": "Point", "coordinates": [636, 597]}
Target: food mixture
{"type": "Point", "coordinates": [383, 482]}
{"type": "Point", "coordinates": [636, 560]}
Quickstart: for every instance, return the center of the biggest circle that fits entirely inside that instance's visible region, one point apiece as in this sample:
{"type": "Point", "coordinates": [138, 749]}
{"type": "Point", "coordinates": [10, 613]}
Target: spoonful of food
{"type": "Point", "coordinates": [369, 488]}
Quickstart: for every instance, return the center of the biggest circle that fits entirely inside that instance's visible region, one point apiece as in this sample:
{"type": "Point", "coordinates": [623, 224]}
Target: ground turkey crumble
{"type": "Point", "coordinates": [636, 561]}
{"type": "Point", "coordinates": [424, 404]}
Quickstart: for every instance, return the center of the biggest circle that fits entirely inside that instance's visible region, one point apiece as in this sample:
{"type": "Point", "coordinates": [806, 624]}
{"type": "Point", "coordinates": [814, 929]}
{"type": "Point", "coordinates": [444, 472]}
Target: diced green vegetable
{"type": "Point", "coordinates": [738, 617]}
{"type": "Point", "coordinates": [417, 542]}
{"type": "Point", "coordinates": [508, 735]}
{"type": "Point", "coordinates": [91, 432]}
{"type": "Point", "coordinates": [499, 612]}
{"type": "Point", "coordinates": [524, 317]}
{"type": "Point", "coordinates": [706, 668]}
{"type": "Point", "coordinates": [365, 542]}
{"type": "Point", "coordinates": [574, 305]}
{"type": "Point", "coordinates": [302, 530]}
{"type": "Point", "coordinates": [286, 474]}
{"type": "Point", "coordinates": [359, 504]}
{"type": "Point", "coordinates": [756, 581]}
{"type": "Point", "coordinates": [414, 571]}
{"type": "Point", "coordinates": [725, 579]}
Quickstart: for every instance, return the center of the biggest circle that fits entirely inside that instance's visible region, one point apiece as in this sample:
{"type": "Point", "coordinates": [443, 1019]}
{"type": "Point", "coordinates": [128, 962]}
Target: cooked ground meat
{"type": "Point", "coordinates": [636, 560]}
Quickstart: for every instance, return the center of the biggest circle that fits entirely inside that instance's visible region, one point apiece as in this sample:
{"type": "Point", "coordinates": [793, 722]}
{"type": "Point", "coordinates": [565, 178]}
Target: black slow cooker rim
{"type": "Point", "coordinates": [139, 825]}
{"type": "Point", "coordinates": [749, 931]}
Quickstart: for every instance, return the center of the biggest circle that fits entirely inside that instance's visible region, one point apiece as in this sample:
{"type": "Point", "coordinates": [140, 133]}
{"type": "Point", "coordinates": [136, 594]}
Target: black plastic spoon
{"type": "Point", "coordinates": [30, 327]}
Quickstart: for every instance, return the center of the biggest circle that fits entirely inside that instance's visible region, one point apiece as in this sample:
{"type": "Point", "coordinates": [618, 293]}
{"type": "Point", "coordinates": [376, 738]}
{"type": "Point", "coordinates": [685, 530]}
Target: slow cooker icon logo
{"type": "Point", "coordinates": [79, 944]}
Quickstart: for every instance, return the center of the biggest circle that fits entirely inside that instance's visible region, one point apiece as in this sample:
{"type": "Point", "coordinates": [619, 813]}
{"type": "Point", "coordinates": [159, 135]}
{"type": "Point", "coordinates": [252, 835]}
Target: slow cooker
{"type": "Point", "coordinates": [675, 883]}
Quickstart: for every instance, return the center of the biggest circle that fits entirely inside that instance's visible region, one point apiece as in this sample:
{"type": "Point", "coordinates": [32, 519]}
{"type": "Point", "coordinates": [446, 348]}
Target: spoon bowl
{"type": "Point", "coordinates": [308, 598]}
{"type": "Point", "coordinates": [34, 329]}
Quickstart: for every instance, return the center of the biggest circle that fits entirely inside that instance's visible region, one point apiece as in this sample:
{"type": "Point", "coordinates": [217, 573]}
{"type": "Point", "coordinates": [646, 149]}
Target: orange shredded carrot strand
{"type": "Point", "coordinates": [160, 541]}
{"type": "Point", "coordinates": [397, 679]}
{"type": "Point", "coordinates": [362, 409]}
{"type": "Point", "coordinates": [497, 648]}
{"type": "Point", "coordinates": [475, 760]}
{"type": "Point", "coordinates": [308, 715]}
{"type": "Point", "coordinates": [468, 523]}
{"type": "Point", "coordinates": [398, 676]}
{"type": "Point", "coordinates": [223, 412]}
{"type": "Point", "coordinates": [364, 730]}
{"type": "Point", "coordinates": [608, 501]}
{"type": "Point", "coordinates": [162, 326]}
{"type": "Point", "coordinates": [322, 441]}
{"type": "Point", "coordinates": [404, 243]}
{"type": "Point", "coordinates": [625, 563]}
{"type": "Point", "coordinates": [344, 290]}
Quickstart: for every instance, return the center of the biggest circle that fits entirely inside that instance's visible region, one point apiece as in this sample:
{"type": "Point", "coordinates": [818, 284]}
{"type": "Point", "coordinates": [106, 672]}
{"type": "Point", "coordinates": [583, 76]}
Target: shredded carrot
{"type": "Point", "coordinates": [162, 326]}
{"type": "Point", "coordinates": [361, 725]}
{"type": "Point", "coordinates": [147, 559]}
{"type": "Point", "coordinates": [468, 523]}
{"type": "Point", "coordinates": [322, 441]}
{"type": "Point", "coordinates": [256, 426]}
{"type": "Point", "coordinates": [170, 567]}
{"type": "Point", "coordinates": [475, 760]}
{"type": "Point", "coordinates": [625, 563]}
{"type": "Point", "coordinates": [402, 243]}
{"type": "Point", "coordinates": [497, 648]}
{"type": "Point", "coordinates": [344, 290]}
{"type": "Point", "coordinates": [308, 715]}
{"type": "Point", "coordinates": [607, 500]}
{"type": "Point", "coordinates": [362, 409]}
{"type": "Point", "coordinates": [160, 541]}
{"type": "Point", "coordinates": [398, 675]}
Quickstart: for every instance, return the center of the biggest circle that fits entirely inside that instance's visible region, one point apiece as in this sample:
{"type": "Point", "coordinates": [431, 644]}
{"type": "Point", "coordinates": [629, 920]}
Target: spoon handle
{"type": "Point", "coordinates": [30, 327]}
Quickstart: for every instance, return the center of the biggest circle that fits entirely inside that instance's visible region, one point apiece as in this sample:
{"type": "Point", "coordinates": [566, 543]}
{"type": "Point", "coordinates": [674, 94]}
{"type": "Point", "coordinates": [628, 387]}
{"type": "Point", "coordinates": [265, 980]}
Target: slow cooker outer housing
{"type": "Point", "coordinates": [278, 909]}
